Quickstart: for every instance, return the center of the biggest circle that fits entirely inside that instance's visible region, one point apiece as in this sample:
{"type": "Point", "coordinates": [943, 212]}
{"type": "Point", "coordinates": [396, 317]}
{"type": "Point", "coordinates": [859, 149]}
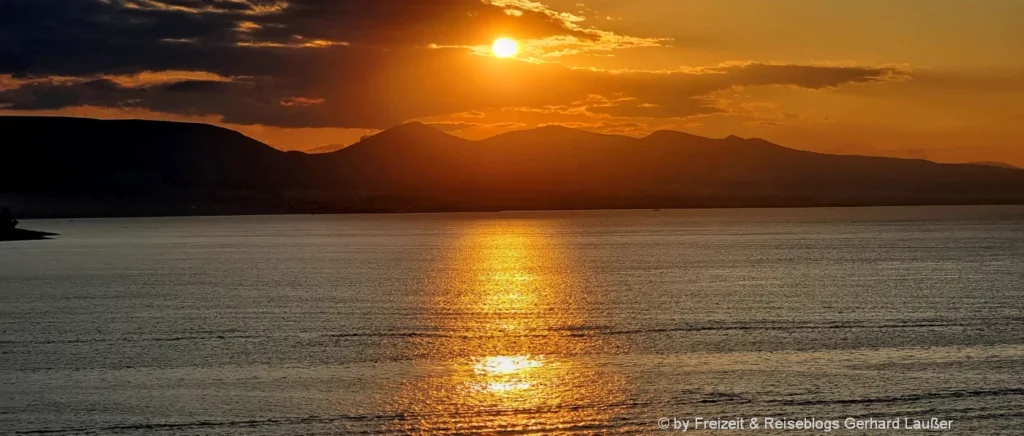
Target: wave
{"type": "Point", "coordinates": [569, 331]}
{"type": "Point", "coordinates": [955, 394]}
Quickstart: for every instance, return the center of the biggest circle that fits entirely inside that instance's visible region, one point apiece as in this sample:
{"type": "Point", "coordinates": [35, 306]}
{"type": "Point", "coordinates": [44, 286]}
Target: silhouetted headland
{"type": "Point", "coordinates": [84, 167]}
{"type": "Point", "coordinates": [10, 232]}
{"type": "Point", "coordinates": [24, 235]}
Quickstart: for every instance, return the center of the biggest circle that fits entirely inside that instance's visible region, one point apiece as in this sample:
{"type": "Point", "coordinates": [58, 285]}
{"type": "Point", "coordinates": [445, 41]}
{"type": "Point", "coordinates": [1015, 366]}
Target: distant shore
{"type": "Point", "coordinates": [393, 211]}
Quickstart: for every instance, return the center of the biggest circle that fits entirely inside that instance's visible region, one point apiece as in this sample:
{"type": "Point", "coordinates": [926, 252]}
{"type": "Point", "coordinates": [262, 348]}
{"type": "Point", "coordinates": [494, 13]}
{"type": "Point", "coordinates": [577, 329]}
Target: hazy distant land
{"type": "Point", "coordinates": [59, 167]}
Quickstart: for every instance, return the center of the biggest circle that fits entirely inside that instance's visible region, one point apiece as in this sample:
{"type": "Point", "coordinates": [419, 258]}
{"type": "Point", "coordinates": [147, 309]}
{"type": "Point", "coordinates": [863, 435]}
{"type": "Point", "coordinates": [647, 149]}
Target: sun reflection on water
{"type": "Point", "coordinates": [508, 298]}
{"type": "Point", "coordinates": [506, 364]}
{"type": "Point", "coordinates": [499, 387]}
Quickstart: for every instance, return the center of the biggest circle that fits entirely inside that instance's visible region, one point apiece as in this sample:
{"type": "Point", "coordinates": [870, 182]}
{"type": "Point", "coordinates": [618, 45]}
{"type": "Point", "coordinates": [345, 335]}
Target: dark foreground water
{"type": "Point", "coordinates": [515, 323]}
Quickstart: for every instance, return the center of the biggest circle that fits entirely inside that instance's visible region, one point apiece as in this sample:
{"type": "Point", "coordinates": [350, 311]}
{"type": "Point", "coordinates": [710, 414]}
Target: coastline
{"type": "Point", "coordinates": [271, 211]}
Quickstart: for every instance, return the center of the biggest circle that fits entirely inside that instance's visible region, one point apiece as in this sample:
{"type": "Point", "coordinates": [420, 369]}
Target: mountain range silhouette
{"type": "Point", "coordinates": [56, 166]}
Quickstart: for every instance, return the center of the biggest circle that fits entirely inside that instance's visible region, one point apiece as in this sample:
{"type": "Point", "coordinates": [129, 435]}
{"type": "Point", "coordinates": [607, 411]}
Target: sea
{"type": "Point", "coordinates": [750, 321]}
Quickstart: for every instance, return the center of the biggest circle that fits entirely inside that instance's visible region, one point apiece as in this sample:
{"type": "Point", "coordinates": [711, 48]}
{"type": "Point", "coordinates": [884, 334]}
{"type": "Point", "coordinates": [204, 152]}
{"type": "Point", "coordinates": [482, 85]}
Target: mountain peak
{"type": "Point", "coordinates": [672, 134]}
{"type": "Point", "coordinates": [412, 127]}
{"type": "Point", "coordinates": [411, 130]}
{"type": "Point", "coordinates": [556, 128]}
{"type": "Point", "coordinates": [402, 137]}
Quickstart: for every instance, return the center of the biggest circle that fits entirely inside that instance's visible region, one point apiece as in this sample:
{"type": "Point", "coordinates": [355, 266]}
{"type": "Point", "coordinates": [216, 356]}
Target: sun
{"type": "Point", "coordinates": [505, 47]}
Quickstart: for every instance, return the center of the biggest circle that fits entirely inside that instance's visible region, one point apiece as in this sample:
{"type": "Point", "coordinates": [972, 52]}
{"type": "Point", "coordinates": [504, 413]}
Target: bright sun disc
{"type": "Point", "coordinates": [505, 47]}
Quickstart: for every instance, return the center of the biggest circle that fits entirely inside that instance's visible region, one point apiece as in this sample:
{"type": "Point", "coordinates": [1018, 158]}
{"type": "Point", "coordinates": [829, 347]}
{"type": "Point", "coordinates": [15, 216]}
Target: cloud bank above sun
{"type": "Point", "coordinates": [292, 64]}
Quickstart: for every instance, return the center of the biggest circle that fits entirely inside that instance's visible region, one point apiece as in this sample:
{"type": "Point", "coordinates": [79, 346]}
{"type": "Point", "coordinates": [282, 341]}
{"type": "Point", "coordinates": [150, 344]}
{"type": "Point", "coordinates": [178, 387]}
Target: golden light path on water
{"type": "Point", "coordinates": [509, 303]}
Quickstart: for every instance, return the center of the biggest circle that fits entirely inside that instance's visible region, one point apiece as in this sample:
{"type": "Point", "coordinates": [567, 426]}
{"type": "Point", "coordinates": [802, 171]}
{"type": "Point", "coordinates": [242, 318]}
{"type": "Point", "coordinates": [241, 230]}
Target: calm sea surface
{"type": "Point", "coordinates": [595, 322]}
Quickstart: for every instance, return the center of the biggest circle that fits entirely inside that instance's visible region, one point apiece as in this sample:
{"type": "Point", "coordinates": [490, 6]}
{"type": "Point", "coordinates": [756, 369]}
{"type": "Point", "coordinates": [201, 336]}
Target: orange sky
{"type": "Point", "coordinates": [935, 79]}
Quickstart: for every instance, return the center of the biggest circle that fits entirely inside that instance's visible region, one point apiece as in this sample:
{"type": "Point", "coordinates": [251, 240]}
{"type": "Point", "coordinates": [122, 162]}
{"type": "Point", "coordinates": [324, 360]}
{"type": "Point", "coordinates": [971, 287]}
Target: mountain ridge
{"type": "Point", "coordinates": [83, 167]}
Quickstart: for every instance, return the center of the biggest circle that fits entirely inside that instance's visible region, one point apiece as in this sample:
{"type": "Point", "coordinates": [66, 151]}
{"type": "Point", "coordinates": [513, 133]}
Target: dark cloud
{"type": "Point", "coordinates": [42, 37]}
{"type": "Point", "coordinates": [815, 77]}
{"type": "Point", "coordinates": [333, 63]}
{"type": "Point", "coordinates": [386, 90]}
{"type": "Point", "coordinates": [680, 94]}
{"type": "Point", "coordinates": [403, 22]}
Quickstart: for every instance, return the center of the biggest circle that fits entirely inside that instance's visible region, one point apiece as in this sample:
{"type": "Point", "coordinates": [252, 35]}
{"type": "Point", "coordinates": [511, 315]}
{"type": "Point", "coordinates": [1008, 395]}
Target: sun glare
{"type": "Point", "coordinates": [507, 364]}
{"type": "Point", "coordinates": [505, 47]}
